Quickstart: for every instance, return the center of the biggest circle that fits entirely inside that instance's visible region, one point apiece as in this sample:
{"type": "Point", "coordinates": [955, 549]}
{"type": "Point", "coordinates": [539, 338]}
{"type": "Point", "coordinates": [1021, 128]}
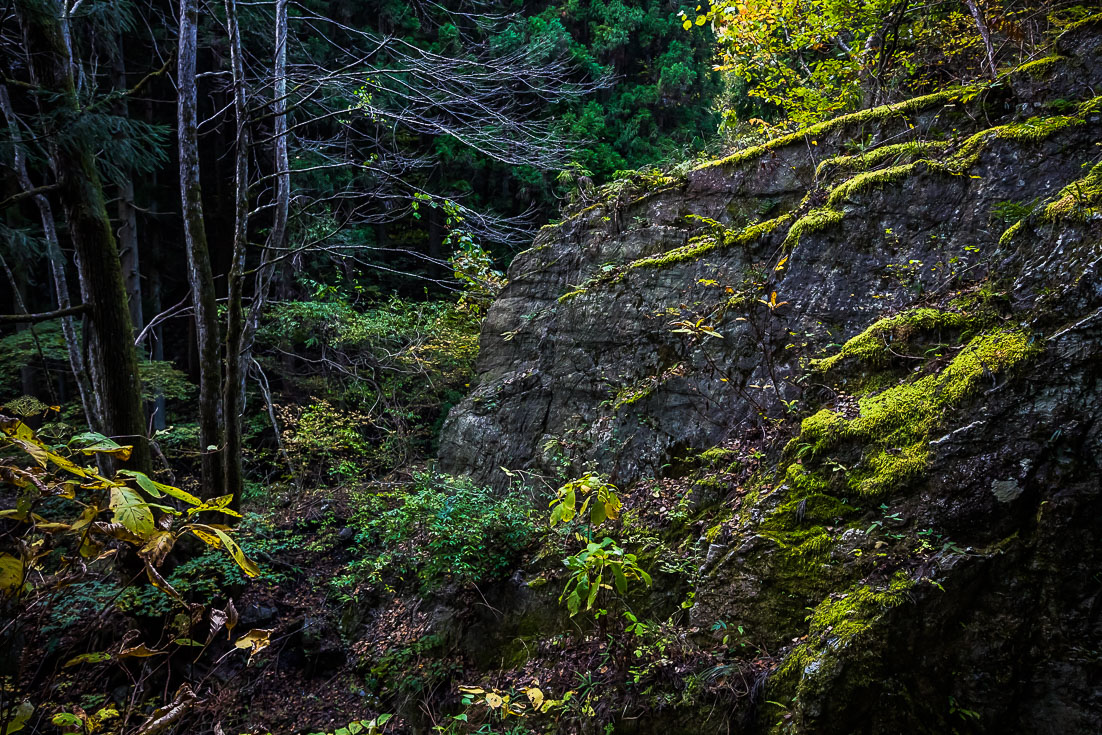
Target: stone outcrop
{"type": "Point", "coordinates": [908, 297]}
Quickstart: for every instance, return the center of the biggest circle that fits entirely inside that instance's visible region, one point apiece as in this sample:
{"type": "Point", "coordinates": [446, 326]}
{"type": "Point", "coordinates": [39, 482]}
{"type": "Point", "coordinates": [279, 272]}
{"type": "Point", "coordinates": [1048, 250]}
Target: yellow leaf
{"type": "Point", "coordinates": [255, 640]}
{"type": "Point", "coordinates": [535, 696]}
{"type": "Point", "coordinates": [247, 565]}
{"type": "Point", "coordinates": [493, 700]}
{"type": "Point", "coordinates": [139, 651]}
{"type": "Point", "coordinates": [32, 447]}
{"type": "Point", "coordinates": [68, 465]}
{"type": "Point", "coordinates": [11, 573]}
{"type": "Point", "coordinates": [209, 538]}
{"type": "Point", "coordinates": [687, 25]}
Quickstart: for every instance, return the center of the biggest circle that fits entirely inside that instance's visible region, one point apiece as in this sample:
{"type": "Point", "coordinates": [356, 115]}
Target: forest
{"type": "Point", "coordinates": [550, 366]}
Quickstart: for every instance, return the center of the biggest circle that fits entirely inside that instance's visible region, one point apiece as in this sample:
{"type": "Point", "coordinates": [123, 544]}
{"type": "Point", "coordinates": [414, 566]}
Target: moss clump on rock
{"type": "Point", "coordinates": [1078, 201]}
{"type": "Point", "coordinates": [876, 344]}
{"type": "Point", "coordinates": [835, 625]}
{"type": "Point", "coordinates": [704, 244]}
{"type": "Point", "coordinates": [896, 423]}
{"type": "Point", "coordinates": [873, 114]}
{"type": "Point", "coordinates": [896, 153]}
{"type": "Point", "coordinates": [814, 221]}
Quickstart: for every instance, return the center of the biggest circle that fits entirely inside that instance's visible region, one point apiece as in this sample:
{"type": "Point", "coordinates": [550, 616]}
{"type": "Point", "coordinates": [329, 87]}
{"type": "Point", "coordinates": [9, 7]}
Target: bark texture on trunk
{"type": "Point", "coordinates": [234, 388]}
{"type": "Point", "coordinates": [200, 277]}
{"type": "Point", "coordinates": [88, 398]}
{"type": "Point", "coordinates": [112, 360]}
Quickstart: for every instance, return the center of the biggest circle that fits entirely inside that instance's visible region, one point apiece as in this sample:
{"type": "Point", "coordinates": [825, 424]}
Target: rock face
{"type": "Point", "coordinates": [910, 296]}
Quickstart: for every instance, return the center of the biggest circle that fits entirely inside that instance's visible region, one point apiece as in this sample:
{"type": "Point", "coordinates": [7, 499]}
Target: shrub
{"type": "Point", "coordinates": [443, 529]}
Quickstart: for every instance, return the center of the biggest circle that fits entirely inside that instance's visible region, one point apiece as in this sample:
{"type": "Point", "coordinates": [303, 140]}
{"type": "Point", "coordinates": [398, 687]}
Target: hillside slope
{"type": "Point", "coordinates": [861, 366]}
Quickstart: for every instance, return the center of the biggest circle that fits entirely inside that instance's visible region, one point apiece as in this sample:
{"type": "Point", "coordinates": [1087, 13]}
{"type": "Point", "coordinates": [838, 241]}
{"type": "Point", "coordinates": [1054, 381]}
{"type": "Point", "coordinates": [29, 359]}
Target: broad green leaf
{"type": "Point", "coordinates": [131, 511]}
{"type": "Point", "coordinates": [597, 514]}
{"type": "Point", "coordinates": [156, 489]}
{"type": "Point", "coordinates": [66, 719]}
{"type": "Point", "coordinates": [619, 579]}
{"type": "Point", "coordinates": [593, 590]}
{"type": "Point", "coordinates": [573, 603]}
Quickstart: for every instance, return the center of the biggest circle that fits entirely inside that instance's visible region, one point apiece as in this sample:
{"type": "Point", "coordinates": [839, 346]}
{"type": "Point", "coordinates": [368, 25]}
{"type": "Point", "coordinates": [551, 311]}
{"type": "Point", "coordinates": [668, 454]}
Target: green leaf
{"type": "Point", "coordinates": [16, 717]}
{"type": "Point", "coordinates": [66, 719]}
{"type": "Point", "coordinates": [594, 588]}
{"type": "Point", "coordinates": [573, 603]}
{"type": "Point", "coordinates": [156, 489]}
{"type": "Point", "coordinates": [619, 579]}
{"type": "Point", "coordinates": [597, 514]}
{"type": "Point", "coordinates": [131, 511]}
{"type": "Point", "coordinates": [87, 658]}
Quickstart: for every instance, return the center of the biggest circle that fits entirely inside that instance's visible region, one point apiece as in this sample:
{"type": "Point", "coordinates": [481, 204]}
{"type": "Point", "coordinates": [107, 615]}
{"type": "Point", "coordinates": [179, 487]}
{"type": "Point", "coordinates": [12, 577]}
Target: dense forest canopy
{"type": "Point", "coordinates": [248, 249]}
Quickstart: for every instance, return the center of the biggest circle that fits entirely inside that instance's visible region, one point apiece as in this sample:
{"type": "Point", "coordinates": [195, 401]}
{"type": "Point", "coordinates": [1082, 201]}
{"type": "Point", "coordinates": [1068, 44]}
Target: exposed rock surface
{"type": "Point", "coordinates": [917, 284]}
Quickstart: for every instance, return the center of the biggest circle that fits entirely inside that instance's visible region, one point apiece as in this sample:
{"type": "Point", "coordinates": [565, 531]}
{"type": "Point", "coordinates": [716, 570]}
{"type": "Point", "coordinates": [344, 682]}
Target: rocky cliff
{"type": "Point", "coordinates": [866, 359]}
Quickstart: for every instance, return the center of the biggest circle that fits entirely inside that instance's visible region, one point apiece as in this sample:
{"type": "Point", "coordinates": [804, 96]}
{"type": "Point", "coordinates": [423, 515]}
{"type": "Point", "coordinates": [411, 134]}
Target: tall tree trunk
{"type": "Point", "coordinates": [127, 212]}
{"type": "Point", "coordinates": [113, 362]}
{"type": "Point", "coordinates": [233, 391]}
{"type": "Point", "coordinates": [277, 237]}
{"type": "Point", "coordinates": [200, 277]}
{"type": "Point", "coordinates": [57, 267]}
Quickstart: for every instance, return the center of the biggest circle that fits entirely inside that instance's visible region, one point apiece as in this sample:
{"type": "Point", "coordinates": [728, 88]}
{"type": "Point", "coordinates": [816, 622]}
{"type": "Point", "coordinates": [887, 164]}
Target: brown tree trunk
{"type": "Point", "coordinates": [233, 391]}
{"type": "Point", "coordinates": [127, 212]}
{"type": "Point", "coordinates": [200, 277]}
{"type": "Point", "coordinates": [112, 362]}
{"type": "Point", "coordinates": [57, 268]}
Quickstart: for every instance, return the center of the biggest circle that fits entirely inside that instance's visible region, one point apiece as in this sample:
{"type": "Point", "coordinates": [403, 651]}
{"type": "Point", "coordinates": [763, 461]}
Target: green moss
{"type": "Point", "coordinates": [1078, 201]}
{"type": "Point", "coordinates": [896, 153]}
{"type": "Point", "coordinates": [895, 424]}
{"type": "Point", "coordinates": [713, 533]}
{"type": "Point", "coordinates": [1090, 20]}
{"type": "Point", "coordinates": [872, 179]}
{"type": "Point", "coordinates": [571, 294]}
{"type": "Point", "coordinates": [819, 432]}
{"type": "Point", "coordinates": [814, 221]}
{"type": "Point", "coordinates": [1033, 130]}
{"type": "Point", "coordinates": [1010, 233]}
{"type": "Point", "coordinates": [876, 344]}
{"type": "Point", "coordinates": [704, 244]}
{"type": "Point", "coordinates": [716, 456]}
{"type": "Point", "coordinates": [836, 624]}
{"type": "Point", "coordinates": [630, 394]}
{"type": "Point", "coordinates": [851, 615]}
{"type": "Point", "coordinates": [873, 114]}
{"type": "Point", "coordinates": [1040, 67]}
